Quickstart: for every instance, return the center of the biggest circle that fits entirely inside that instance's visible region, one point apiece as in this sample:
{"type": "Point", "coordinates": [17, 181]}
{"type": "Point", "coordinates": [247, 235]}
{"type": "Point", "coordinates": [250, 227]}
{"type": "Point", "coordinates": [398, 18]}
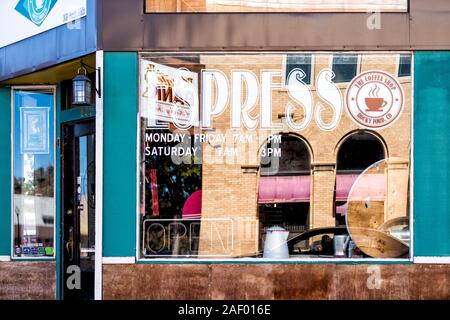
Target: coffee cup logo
{"type": "Point", "coordinates": [374, 99]}
{"type": "Point", "coordinates": [373, 102]}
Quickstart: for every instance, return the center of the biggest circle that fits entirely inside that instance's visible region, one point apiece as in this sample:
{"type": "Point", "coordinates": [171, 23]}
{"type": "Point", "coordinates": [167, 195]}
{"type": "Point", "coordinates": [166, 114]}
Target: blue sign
{"type": "Point", "coordinates": [35, 10]}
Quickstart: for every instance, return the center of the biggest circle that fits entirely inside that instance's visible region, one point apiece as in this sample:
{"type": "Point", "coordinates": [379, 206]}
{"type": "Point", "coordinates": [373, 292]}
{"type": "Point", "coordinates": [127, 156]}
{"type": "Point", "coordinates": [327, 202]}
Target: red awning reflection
{"type": "Point", "coordinates": [297, 188]}
{"type": "Point", "coordinates": [344, 183]}
{"type": "Point", "coordinates": [284, 189]}
{"type": "Point", "coordinates": [192, 208]}
{"type": "Point", "coordinates": [368, 186]}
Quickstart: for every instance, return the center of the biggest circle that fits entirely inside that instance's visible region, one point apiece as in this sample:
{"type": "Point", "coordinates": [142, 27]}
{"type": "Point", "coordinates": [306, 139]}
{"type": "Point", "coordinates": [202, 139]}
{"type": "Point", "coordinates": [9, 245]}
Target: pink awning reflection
{"type": "Point", "coordinates": [344, 183]}
{"type": "Point", "coordinates": [368, 186]}
{"type": "Point", "coordinates": [192, 208]}
{"type": "Point", "coordinates": [341, 210]}
{"type": "Point", "coordinates": [284, 189]}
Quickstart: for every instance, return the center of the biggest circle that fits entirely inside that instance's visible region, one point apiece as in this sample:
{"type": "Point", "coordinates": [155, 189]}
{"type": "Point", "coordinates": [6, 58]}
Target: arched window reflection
{"type": "Point", "coordinates": [358, 152]}
{"type": "Point", "coordinates": [284, 186]}
{"type": "Point", "coordinates": [285, 155]}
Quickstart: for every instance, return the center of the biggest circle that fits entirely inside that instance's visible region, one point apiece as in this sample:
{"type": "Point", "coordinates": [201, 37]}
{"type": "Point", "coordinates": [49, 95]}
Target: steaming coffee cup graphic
{"type": "Point", "coordinates": [373, 102]}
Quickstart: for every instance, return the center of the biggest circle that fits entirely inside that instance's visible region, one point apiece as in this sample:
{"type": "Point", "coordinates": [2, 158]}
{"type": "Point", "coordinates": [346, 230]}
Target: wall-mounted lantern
{"type": "Point", "coordinates": [82, 86]}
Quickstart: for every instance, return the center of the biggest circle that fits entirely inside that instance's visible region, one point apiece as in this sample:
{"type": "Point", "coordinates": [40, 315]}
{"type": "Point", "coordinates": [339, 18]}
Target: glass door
{"type": "Point", "coordinates": [78, 196]}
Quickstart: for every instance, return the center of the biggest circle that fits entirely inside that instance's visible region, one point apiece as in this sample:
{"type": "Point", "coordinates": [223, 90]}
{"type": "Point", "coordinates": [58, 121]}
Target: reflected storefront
{"type": "Point", "coordinates": [221, 149]}
{"type": "Point", "coordinates": [290, 144]}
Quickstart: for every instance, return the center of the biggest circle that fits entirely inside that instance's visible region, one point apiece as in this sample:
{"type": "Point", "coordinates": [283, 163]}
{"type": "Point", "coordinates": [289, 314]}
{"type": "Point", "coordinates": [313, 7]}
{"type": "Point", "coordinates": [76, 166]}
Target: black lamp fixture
{"type": "Point", "coordinates": [82, 86]}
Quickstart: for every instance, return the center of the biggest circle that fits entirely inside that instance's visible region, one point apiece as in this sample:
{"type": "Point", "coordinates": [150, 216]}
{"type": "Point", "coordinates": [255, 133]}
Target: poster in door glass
{"type": "Point", "coordinates": [276, 156]}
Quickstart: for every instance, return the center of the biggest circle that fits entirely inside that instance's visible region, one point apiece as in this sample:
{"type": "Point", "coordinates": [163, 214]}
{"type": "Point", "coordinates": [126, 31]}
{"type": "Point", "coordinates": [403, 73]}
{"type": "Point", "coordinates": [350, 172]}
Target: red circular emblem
{"type": "Point", "coordinates": [374, 99]}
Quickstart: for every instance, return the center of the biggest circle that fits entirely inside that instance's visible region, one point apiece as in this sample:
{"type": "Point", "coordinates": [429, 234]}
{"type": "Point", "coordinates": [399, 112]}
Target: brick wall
{"type": "Point", "coordinates": [27, 280]}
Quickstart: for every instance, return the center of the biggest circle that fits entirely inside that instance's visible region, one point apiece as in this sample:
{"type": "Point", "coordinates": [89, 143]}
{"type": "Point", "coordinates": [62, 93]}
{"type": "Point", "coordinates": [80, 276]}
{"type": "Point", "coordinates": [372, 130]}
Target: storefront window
{"type": "Point", "coordinates": [274, 6]}
{"type": "Point", "coordinates": [240, 158]}
{"type": "Point", "coordinates": [34, 174]}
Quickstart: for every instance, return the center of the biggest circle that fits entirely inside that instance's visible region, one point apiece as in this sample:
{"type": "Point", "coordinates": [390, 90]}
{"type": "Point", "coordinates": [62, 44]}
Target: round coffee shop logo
{"type": "Point", "coordinates": [35, 10]}
{"type": "Point", "coordinates": [374, 99]}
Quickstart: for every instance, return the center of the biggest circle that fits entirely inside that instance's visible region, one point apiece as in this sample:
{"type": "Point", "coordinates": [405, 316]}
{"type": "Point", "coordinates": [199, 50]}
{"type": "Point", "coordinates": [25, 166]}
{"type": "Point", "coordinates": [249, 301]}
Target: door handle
{"type": "Point", "coordinates": [69, 248]}
{"type": "Point", "coordinates": [69, 244]}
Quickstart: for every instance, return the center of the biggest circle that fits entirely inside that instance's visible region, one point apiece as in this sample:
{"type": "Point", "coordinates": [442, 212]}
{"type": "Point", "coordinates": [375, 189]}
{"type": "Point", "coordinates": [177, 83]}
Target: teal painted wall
{"type": "Point", "coordinates": [5, 171]}
{"type": "Point", "coordinates": [432, 153]}
{"type": "Point", "coordinates": [119, 147]}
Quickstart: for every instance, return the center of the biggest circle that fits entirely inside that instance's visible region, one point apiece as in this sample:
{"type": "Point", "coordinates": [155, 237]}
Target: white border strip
{"type": "Point", "coordinates": [98, 282]}
{"type": "Point", "coordinates": [5, 258]}
{"type": "Point", "coordinates": [119, 260]}
{"type": "Point", "coordinates": [432, 260]}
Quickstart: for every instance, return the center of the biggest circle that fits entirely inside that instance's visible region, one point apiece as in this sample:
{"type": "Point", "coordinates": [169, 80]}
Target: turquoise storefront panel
{"type": "Point", "coordinates": [5, 171]}
{"type": "Point", "coordinates": [432, 153]}
{"type": "Point", "coordinates": [119, 147]}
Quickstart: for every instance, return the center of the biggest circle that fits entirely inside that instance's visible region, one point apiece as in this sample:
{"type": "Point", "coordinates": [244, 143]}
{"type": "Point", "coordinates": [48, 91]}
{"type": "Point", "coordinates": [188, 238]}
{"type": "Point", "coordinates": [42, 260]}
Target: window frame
{"type": "Point", "coordinates": [341, 85]}
{"type": "Point", "coordinates": [140, 259]}
{"type": "Point", "coordinates": [403, 79]}
{"type": "Point", "coordinates": [312, 84]}
{"type": "Point", "coordinates": [53, 89]}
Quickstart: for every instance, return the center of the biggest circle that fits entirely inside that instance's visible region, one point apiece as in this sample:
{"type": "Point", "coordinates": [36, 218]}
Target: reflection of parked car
{"type": "Point", "coordinates": [317, 241]}
{"type": "Point", "coordinates": [397, 228]}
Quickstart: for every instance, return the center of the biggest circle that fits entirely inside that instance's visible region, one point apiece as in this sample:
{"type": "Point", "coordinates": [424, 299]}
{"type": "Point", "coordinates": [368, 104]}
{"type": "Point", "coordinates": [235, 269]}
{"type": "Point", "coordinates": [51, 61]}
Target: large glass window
{"type": "Point", "coordinates": [34, 173]}
{"type": "Point", "coordinates": [241, 159]}
{"type": "Point", "coordinates": [275, 6]}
